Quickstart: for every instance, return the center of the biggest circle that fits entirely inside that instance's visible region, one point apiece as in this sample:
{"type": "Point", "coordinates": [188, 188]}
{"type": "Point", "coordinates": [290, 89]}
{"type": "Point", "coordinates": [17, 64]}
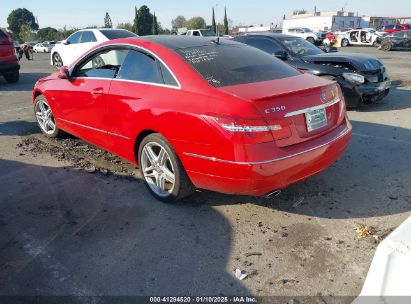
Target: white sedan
{"type": "Point", "coordinates": [66, 52]}
{"type": "Point", "coordinates": [358, 37]}
{"type": "Point", "coordinates": [42, 48]}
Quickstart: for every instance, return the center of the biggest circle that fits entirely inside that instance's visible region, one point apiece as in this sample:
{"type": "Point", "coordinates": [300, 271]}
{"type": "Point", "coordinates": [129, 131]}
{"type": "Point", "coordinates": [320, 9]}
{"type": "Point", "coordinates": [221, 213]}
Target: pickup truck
{"type": "Point", "coordinates": [201, 33]}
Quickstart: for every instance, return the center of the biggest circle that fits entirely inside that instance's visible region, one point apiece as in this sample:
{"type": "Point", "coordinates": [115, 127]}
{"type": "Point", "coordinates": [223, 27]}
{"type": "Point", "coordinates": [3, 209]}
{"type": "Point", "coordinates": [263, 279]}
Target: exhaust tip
{"type": "Point", "coordinates": [273, 194]}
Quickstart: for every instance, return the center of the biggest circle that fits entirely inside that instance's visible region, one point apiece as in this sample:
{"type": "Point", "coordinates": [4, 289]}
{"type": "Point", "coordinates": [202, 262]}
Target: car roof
{"type": "Point", "coordinates": [99, 29]}
{"type": "Point", "coordinates": [270, 35]}
{"type": "Point", "coordinates": [175, 42]}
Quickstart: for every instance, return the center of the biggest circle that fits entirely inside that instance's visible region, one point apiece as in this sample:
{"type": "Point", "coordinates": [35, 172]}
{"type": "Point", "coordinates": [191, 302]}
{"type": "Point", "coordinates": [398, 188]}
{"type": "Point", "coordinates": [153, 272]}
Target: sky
{"type": "Point", "coordinates": [83, 13]}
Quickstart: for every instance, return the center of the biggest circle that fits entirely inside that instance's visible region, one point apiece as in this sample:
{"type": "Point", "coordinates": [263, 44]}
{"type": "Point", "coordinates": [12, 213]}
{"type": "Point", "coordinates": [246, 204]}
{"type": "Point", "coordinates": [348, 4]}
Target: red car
{"type": "Point", "coordinates": [198, 113]}
{"type": "Point", "coordinates": [392, 28]}
{"type": "Point", "coordinates": [9, 65]}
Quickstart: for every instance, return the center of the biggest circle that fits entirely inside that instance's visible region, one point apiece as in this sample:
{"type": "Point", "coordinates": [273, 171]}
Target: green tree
{"type": "Point", "coordinates": [145, 21]}
{"type": "Point", "coordinates": [125, 26]}
{"type": "Point", "coordinates": [195, 23]}
{"type": "Point", "coordinates": [21, 16]}
{"type": "Point", "coordinates": [225, 22]}
{"type": "Point", "coordinates": [26, 34]}
{"type": "Point", "coordinates": [154, 27]}
{"type": "Point", "coordinates": [107, 21]}
{"type": "Point", "coordinates": [178, 22]}
{"type": "Point", "coordinates": [135, 22]}
{"type": "Point", "coordinates": [47, 33]}
{"type": "Point", "coordinates": [213, 24]}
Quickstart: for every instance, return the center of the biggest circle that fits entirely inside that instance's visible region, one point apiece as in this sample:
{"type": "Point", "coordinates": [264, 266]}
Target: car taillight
{"type": "Point", "coordinates": [250, 130]}
{"type": "Point", "coordinates": [333, 94]}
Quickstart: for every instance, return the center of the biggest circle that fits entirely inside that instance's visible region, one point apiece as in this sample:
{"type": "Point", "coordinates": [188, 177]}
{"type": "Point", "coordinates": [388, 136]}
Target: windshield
{"type": "Point", "coordinates": [299, 46]}
{"type": "Point", "coordinates": [233, 64]}
{"type": "Point", "coordinates": [207, 33]}
{"type": "Point", "coordinates": [307, 30]}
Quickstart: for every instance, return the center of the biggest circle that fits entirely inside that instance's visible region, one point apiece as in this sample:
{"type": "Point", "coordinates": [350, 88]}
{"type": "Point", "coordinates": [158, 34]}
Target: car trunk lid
{"type": "Point", "coordinates": [304, 104]}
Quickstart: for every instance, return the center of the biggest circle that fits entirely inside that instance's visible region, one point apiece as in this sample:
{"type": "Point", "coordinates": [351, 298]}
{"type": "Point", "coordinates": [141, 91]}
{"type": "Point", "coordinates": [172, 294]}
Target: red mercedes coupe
{"type": "Point", "coordinates": [198, 113]}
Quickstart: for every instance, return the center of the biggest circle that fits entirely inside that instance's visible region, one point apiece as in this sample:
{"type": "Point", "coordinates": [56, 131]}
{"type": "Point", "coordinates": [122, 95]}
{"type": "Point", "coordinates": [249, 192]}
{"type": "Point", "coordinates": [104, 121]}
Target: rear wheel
{"type": "Point", "coordinates": [12, 76]}
{"type": "Point", "coordinates": [344, 42]}
{"type": "Point", "coordinates": [162, 171]}
{"type": "Point", "coordinates": [45, 118]}
{"type": "Point", "coordinates": [311, 39]}
{"type": "Point", "coordinates": [386, 46]}
{"type": "Point", "coordinates": [57, 61]}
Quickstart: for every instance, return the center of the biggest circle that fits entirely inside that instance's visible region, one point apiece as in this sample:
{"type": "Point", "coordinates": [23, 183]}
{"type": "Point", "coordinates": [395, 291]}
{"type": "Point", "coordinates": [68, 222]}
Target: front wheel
{"type": "Point", "coordinates": [344, 42]}
{"type": "Point", "coordinates": [311, 39]}
{"type": "Point", "coordinates": [386, 46]}
{"type": "Point", "coordinates": [57, 61]}
{"type": "Point", "coordinates": [162, 171]}
{"type": "Point", "coordinates": [45, 118]}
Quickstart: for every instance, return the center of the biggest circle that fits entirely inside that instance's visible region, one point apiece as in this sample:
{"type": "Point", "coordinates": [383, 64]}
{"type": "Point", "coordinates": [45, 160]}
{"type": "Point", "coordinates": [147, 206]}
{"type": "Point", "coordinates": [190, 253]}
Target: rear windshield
{"type": "Point", "coordinates": [115, 34]}
{"type": "Point", "coordinates": [233, 64]}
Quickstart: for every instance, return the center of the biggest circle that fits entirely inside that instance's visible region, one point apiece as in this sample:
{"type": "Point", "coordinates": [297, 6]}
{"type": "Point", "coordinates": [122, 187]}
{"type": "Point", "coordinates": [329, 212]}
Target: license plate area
{"type": "Point", "coordinates": [315, 119]}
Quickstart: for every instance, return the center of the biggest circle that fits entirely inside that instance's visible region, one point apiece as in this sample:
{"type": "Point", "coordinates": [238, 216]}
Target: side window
{"type": "Point", "coordinates": [142, 67]}
{"type": "Point", "coordinates": [104, 64]}
{"type": "Point", "coordinates": [264, 44]}
{"type": "Point", "coordinates": [389, 27]}
{"type": "Point", "coordinates": [73, 39]}
{"type": "Point", "coordinates": [88, 36]}
{"type": "Point", "coordinates": [167, 77]}
{"type": "Point", "coordinates": [196, 33]}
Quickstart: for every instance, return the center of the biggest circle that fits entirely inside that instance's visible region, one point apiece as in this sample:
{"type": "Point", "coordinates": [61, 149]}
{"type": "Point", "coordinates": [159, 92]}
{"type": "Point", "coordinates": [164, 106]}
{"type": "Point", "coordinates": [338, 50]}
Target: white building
{"type": "Point", "coordinates": [326, 21]}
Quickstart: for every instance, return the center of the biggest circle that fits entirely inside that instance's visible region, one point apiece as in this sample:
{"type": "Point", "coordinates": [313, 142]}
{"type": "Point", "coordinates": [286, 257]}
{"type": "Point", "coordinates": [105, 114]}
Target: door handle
{"type": "Point", "coordinates": [97, 92]}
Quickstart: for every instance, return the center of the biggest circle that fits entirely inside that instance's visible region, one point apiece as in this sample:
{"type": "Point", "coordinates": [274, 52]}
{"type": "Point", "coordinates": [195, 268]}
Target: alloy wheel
{"type": "Point", "coordinates": [57, 62]}
{"type": "Point", "coordinates": [44, 117]}
{"type": "Point", "coordinates": [157, 169]}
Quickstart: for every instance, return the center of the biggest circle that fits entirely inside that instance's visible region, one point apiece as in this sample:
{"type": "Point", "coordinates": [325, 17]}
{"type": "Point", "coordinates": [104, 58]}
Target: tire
{"type": "Point", "coordinates": [311, 39]}
{"type": "Point", "coordinates": [162, 171]}
{"type": "Point", "coordinates": [57, 61]}
{"type": "Point", "coordinates": [345, 42]}
{"type": "Point", "coordinates": [12, 77]}
{"type": "Point", "coordinates": [386, 46]}
{"type": "Point", "coordinates": [45, 118]}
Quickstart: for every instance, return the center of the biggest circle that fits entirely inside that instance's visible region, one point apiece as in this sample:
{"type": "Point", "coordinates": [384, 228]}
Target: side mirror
{"type": "Point", "coordinates": [65, 42]}
{"type": "Point", "coordinates": [281, 55]}
{"type": "Point", "coordinates": [63, 73]}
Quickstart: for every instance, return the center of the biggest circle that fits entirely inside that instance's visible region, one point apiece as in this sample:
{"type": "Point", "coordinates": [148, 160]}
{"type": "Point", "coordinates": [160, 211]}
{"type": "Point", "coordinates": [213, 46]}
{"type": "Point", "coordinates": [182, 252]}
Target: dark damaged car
{"type": "Point", "coordinates": [363, 78]}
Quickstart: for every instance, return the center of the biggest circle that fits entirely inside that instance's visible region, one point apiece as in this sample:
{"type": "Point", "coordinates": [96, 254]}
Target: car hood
{"type": "Point", "coordinates": [360, 62]}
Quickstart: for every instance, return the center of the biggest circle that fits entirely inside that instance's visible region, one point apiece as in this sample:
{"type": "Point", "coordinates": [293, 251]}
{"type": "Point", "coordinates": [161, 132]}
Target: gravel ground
{"type": "Point", "coordinates": [76, 220]}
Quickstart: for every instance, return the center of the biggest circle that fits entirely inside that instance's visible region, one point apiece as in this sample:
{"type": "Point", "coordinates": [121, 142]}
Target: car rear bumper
{"type": "Point", "coordinates": [356, 95]}
{"type": "Point", "coordinates": [9, 67]}
{"type": "Point", "coordinates": [261, 177]}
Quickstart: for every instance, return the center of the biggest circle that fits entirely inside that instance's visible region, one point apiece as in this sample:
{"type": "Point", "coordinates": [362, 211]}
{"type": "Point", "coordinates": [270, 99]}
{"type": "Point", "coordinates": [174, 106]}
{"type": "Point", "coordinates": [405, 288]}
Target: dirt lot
{"type": "Point", "coordinates": [76, 220]}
